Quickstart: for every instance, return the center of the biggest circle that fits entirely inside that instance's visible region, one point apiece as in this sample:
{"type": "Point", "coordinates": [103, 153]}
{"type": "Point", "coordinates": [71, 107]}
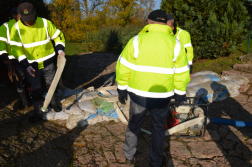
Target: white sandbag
{"type": "Point", "coordinates": [69, 101]}
{"type": "Point", "coordinates": [105, 118]}
{"type": "Point", "coordinates": [204, 73]}
{"type": "Point", "coordinates": [75, 109]}
{"type": "Point", "coordinates": [77, 120]}
{"type": "Point", "coordinates": [108, 94]}
{"type": "Point", "coordinates": [48, 115]}
{"type": "Point", "coordinates": [213, 91]}
{"type": "Point", "coordinates": [198, 80]}
{"type": "Point", "coordinates": [112, 92]}
{"type": "Point", "coordinates": [200, 90]}
{"type": "Point", "coordinates": [237, 79]}
{"type": "Point", "coordinates": [86, 95]}
{"type": "Point", "coordinates": [225, 94]}
{"type": "Point", "coordinates": [116, 120]}
{"type": "Point", "coordinates": [61, 115]}
{"type": "Point", "coordinates": [87, 106]}
{"type": "Point", "coordinates": [95, 120]}
{"type": "Point", "coordinates": [202, 79]}
{"type": "Point", "coordinates": [229, 84]}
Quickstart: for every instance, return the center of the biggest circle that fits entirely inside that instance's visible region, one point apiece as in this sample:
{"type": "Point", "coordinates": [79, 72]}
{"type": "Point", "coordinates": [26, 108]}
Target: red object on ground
{"type": "Point", "coordinates": [172, 121]}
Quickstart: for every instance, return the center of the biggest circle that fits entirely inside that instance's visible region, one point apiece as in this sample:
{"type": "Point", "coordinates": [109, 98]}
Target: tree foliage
{"type": "Point", "coordinates": [80, 18]}
{"type": "Point", "coordinates": [216, 27]}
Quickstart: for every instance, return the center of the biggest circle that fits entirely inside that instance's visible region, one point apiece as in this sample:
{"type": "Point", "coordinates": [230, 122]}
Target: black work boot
{"type": "Point", "coordinates": [56, 107]}
{"type": "Point", "coordinates": [35, 118]}
{"type": "Point", "coordinates": [37, 109]}
{"type": "Point", "coordinates": [24, 99]}
{"type": "Point", "coordinates": [164, 163]}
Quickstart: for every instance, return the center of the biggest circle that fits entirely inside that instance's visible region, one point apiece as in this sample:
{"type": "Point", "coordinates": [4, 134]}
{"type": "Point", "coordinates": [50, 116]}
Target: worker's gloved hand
{"type": "Point", "coordinates": [122, 96]}
{"type": "Point", "coordinates": [179, 99]}
{"type": "Point", "coordinates": [61, 53]}
{"type": "Point", "coordinates": [31, 71]}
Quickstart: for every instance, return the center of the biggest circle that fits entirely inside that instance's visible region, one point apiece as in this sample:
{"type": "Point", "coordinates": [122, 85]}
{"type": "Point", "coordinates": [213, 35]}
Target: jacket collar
{"type": "Point", "coordinates": [157, 27]}
{"type": "Point", "coordinates": [12, 21]}
{"type": "Point", "coordinates": [26, 25]}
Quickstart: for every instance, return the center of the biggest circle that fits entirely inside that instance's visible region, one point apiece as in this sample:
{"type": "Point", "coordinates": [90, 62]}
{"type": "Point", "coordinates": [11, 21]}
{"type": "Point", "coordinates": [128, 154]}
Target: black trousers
{"type": "Point", "coordinates": [48, 73]}
{"type": "Point", "coordinates": [22, 84]}
{"type": "Point", "coordinates": [158, 121]}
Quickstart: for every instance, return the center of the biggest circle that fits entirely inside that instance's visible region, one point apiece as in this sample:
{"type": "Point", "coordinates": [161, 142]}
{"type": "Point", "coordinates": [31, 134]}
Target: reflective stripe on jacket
{"type": "Point", "coordinates": [148, 68]}
{"type": "Point", "coordinates": [5, 38]}
{"type": "Point", "coordinates": [34, 42]}
{"type": "Point", "coordinates": [184, 37]}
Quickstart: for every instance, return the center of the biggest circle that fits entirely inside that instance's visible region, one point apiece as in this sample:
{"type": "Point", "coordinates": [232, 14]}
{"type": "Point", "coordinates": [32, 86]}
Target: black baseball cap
{"type": "Point", "coordinates": [158, 15]}
{"type": "Point", "coordinates": [14, 11]}
{"type": "Point", "coordinates": [169, 17]}
{"type": "Point", "coordinates": [27, 11]}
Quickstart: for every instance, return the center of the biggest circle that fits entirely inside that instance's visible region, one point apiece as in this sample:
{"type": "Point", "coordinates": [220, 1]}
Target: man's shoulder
{"type": "Point", "coordinates": [184, 32]}
{"type": "Point", "coordinates": [11, 23]}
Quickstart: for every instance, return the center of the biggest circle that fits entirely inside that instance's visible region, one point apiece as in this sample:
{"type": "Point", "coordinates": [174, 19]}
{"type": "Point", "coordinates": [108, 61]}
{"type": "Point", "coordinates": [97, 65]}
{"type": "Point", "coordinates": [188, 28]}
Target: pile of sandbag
{"type": "Point", "coordinates": [86, 106]}
{"type": "Point", "coordinates": [209, 86]}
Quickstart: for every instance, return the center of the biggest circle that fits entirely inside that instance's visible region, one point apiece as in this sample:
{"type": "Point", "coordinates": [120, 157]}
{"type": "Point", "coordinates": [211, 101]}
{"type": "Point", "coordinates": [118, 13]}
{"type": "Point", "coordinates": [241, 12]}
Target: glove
{"type": "Point", "coordinates": [122, 96]}
{"type": "Point", "coordinates": [179, 99]}
{"type": "Point", "coordinates": [31, 71]}
{"type": "Point", "coordinates": [61, 52]}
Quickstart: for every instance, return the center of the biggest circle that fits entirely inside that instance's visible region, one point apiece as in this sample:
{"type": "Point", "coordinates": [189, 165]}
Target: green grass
{"type": "Point", "coordinates": [73, 48]}
{"type": "Point", "coordinates": [222, 63]}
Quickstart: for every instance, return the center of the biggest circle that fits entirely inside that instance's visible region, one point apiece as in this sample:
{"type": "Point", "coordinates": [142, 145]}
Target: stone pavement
{"type": "Point", "coordinates": [50, 144]}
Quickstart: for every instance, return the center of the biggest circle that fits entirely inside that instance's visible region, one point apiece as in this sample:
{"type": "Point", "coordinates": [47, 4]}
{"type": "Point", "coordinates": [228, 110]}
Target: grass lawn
{"type": "Point", "coordinates": [222, 63]}
{"type": "Point", "coordinates": [73, 48]}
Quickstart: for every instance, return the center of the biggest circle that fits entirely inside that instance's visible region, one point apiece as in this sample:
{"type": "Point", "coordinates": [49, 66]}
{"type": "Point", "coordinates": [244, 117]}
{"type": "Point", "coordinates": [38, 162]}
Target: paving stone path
{"type": "Point", "coordinates": [50, 144]}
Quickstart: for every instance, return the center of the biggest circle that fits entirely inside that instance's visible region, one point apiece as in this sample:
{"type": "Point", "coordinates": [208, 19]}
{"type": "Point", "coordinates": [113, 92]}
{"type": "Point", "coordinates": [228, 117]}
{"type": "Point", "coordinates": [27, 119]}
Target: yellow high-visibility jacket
{"type": "Point", "coordinates": [148, 68]}
{"type": "Point", "coordinates": [184, 37]}
{"type": "Point", "coordinates": [31, 44]}
{"type": "Point", "coordinates": [5, 51]}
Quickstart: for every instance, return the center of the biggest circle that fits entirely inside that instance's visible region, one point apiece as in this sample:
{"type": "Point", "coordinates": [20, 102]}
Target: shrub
{"type": "Point", "coordinates": [216, 27]}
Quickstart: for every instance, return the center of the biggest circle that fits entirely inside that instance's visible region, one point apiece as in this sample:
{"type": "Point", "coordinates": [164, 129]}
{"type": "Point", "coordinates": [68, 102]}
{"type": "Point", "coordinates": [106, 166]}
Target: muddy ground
{"type": "Point", "coordinates": [50, 144]}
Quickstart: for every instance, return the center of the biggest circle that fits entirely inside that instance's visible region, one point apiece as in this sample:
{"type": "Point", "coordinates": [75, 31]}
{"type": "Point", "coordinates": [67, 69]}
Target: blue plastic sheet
{"type": "Point", "coordinates": [213, 77]}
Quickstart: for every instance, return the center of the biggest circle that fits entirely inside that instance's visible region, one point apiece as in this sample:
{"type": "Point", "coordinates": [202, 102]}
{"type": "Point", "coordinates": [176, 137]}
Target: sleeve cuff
{"type": "Point", "coordinates": [191, 67]}
{"type": "Point", "coordinates": [122, 93]}
{"type": "Point", "coordinates": [25, 63]}
{"type": "Point", "coordinates": [5, 57]}
{"type": "Point", "coordinates": [179, 98]}
{"type": "Point", "coordinates": [59, 47]}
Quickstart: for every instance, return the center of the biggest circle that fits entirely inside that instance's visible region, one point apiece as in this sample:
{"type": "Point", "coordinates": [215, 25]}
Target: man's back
{"type": "Point", "coordinates": [148, 68]}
